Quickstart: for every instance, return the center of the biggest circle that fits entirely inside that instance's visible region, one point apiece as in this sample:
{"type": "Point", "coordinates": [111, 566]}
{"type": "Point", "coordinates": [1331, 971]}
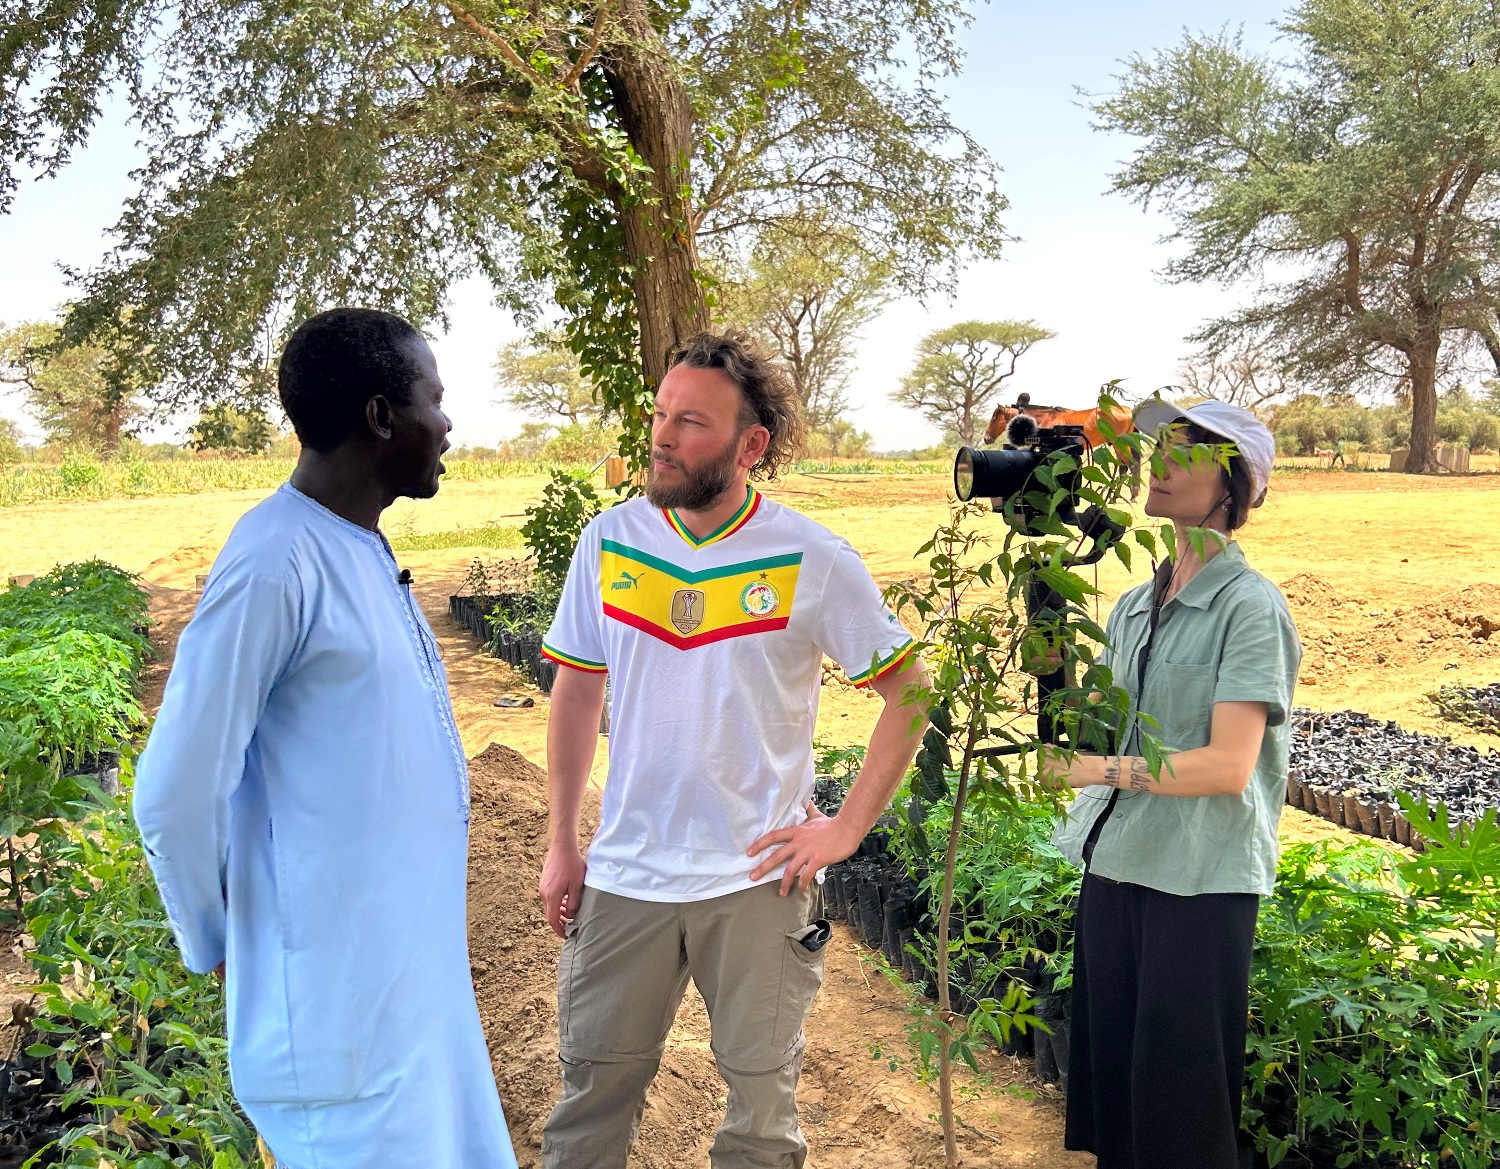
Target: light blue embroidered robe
{"type": "Point", "coordinates": [304, 802]}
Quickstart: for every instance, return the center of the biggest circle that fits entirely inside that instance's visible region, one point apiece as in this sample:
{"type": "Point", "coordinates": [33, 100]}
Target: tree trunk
{"type": "Point", "coordinates": [112, 427]}
{"type": "Point", "coordinates": [669, 301]}
{"type": "Point", "coordinates": [1422, 366]}
{"type": "Point", "coordinates": [657, 117]}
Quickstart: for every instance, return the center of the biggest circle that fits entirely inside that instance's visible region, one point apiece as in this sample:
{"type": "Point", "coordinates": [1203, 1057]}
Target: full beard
{"type": "Point", "coordinates": [701, 485]}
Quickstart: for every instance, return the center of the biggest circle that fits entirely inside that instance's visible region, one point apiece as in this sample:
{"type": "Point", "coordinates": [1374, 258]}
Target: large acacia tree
{"type": "Point", "coordinates": [1358, 181]}
{"type": "Point", "coordinates": [376, 150]}
{"type": "Point", "coordinates": [67, 389]}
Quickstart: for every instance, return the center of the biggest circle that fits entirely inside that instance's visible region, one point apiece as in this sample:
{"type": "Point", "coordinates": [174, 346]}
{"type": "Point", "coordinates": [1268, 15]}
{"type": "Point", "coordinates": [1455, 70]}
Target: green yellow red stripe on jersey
{"type": "Point", "coordinates": [724, 531]}
{"type": "Point", "coordinates": [882, 667]}
{"type": "Point", "coordinates": [583, 664]}
{"type": "Point", "coordinates": [687, 608]}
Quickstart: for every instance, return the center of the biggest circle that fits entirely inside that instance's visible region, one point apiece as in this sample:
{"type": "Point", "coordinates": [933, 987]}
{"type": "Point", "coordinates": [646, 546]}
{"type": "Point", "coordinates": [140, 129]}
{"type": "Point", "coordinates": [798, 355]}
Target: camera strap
{"type": "Point", "coordinates": [1161, 582]}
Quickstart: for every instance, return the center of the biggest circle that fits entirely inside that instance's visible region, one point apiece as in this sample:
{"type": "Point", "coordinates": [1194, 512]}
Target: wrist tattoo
{"type": "Point", "coordinates": [1140, 776]}
{"type": "Point", "coordinates": [1112, 770]}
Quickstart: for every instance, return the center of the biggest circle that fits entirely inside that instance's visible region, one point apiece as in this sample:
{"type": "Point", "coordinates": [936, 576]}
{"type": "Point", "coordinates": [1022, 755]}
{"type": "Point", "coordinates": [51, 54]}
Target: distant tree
{"type": "Point", "coordinates": [1247, 376]}
{"type": "Point", "coordinates": [66, 388]}
{"type": "Point", "coordinates": [960, 370]}
{"type": "Point", "coordinates": [839, 439]}
{"type": "Point", "coordinates": [224, 427]}
{"type": "Point", "coordinates": [1369, 165]}
{"type": "Point", "coordinates": [529, 443]}
{"type": "Point", "coordinates": [807, 290]}
{"type": "Point", "coordinates": [11, 448]}
{"type": "Point", "coordinates": [540, 377]}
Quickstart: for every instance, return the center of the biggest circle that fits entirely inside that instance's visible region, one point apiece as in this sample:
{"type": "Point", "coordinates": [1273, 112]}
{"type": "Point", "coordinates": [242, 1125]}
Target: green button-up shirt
{"type": "Point", "coordinates": [1225, 637]}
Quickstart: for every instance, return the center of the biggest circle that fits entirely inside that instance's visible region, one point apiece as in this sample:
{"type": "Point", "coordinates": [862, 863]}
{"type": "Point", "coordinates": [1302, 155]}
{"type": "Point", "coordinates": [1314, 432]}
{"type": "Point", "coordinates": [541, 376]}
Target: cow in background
{"type": "Point", "coordinates": [1119, 417]}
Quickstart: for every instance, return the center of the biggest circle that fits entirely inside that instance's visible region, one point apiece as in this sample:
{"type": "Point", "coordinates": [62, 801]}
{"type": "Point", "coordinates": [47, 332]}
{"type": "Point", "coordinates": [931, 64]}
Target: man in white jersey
{"type": "Point", "coordinates": [712, 608]}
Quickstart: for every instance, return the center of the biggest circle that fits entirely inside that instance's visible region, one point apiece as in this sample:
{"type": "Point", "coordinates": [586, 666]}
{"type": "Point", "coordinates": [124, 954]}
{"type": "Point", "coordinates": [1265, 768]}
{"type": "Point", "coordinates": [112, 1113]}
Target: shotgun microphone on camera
{"type": "Point", "coordinates": [1021, 431]}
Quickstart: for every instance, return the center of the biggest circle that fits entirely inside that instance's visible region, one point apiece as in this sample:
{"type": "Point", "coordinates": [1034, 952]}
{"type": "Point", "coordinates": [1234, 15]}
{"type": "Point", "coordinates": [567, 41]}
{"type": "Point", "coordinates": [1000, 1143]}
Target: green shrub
{"type": "Point", "coordinates": [71, 644]}
{"type": "Point", "coordinates": [78, 470]}
{"type": "Point", "coordinates": [578, 443]}
{"type": "Point", "coordinates": [553, 526]}
{"type": "Point", "coordinates": [224, 427]}
{"type": "Point", "coordinates": [133, 1034]}
{"type": "Point", "coordinates": [1375, 991]}
{"type": "Point", "coordinates": [1374, 1013]}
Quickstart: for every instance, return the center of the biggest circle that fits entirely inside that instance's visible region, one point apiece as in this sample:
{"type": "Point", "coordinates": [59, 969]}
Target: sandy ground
{"type": "Point", "coordinates": [1389, 579]}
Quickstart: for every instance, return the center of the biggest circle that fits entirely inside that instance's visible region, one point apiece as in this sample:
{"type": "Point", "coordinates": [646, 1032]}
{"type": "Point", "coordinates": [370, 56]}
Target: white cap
{"type": "Point", "coordinates": [1248, 433]}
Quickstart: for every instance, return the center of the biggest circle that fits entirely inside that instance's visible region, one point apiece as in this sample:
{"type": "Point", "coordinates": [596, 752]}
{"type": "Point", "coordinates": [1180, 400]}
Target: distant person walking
{"type": "Point", "coordinates": [1175, 864]}
{"type": "Point", "coordinates": [1338, 456]}
{"type": "Point", "coordinates": [710, 607]}
{"type": "Point", "coordinates": [304, 795]}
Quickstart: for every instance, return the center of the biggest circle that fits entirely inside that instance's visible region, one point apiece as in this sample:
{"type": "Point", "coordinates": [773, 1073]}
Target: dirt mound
{"type": "Point", "coordinates": [1309, 591]}
{"type": "Point", "coordinates": [180, 568]}
{"type": "Point", "coordinates": [862, 1106]}
{"type": "Point", "coordinates": [1473, 611]}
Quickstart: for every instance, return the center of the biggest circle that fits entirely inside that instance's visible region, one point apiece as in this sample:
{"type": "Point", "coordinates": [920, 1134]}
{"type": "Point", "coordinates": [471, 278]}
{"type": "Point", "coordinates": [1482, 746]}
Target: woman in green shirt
{"type": "Point", "coordinates": [1175, 864]}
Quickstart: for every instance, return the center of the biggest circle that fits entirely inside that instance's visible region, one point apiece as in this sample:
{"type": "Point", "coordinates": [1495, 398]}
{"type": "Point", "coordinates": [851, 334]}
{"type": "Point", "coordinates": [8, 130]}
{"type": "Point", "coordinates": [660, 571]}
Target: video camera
{"type": "Point", "coordinates": [1003, 474]}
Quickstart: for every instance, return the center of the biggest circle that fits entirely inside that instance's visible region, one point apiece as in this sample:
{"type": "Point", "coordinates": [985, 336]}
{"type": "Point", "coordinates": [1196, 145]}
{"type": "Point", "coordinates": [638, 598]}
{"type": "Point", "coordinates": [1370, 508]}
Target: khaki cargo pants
{"type": "Point", "coordinates": [625, 966]}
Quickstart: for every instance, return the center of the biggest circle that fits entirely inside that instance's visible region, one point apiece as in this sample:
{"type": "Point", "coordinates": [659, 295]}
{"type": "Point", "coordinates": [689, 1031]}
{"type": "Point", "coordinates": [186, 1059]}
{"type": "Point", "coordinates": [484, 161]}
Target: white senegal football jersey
{"type": "Point", "coordinates": [715, 651]}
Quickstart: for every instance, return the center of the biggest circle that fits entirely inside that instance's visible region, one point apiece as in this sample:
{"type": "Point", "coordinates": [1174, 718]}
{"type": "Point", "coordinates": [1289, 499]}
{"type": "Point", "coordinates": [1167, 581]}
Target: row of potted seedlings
{"type": "Point", "coordinates": [889, 911]}
{"type": "Point", "coordinates": [1354, 810]}
{"type": "Point", "coordinates": [1348, 767]}
{"type": "Point", "coordinates": [489, 618]}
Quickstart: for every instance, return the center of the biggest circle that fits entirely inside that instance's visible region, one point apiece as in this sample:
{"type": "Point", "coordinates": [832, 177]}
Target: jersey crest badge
{"type": "Point", "coordinates": [760, 599]}
{"type": "Point", "coordinates": [687, 609]}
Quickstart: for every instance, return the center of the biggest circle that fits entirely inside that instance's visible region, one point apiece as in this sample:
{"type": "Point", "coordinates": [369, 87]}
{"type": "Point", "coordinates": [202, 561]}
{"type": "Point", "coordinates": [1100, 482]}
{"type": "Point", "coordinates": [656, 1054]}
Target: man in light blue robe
{"type": "Point", "coordinates": [303, 796]}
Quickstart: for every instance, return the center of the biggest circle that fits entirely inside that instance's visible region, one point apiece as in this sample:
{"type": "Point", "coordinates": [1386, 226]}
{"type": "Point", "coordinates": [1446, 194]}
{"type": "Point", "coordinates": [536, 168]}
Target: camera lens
{"type": "Point", "coordinates": [963, 474]}
{"type": "Point", "coordinates": [992, 474]}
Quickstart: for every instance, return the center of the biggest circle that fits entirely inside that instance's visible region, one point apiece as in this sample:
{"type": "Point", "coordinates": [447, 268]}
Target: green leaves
{"type": "Point", "coordinates": [1373, 1005]}
{"type": "Point", "coordinates": [991, 620]}
{"type": "Point", "coordinates": [554, 525]}
{"type": "Point", "coordinates": [71, 643]}
{"type": "Point", "coordinates": [125, 1028]}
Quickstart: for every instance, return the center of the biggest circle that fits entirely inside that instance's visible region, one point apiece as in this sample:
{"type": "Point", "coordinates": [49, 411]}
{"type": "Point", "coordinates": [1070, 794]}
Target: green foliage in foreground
{"type": "Point", "coordinates": [135, 1040]}
{"type": "Point", "coordinates": [1375, 989]}
{"type": "Point", "coordinates": [71, 645]}
{"type": "Point", "coordinates": [133, 1035]}
{"type": "Point", "coordinates": [1375, 1023]}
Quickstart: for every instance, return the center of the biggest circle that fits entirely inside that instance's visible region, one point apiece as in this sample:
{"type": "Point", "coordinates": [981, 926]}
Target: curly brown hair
{"type": "Point", "coordinates": [767, 394]}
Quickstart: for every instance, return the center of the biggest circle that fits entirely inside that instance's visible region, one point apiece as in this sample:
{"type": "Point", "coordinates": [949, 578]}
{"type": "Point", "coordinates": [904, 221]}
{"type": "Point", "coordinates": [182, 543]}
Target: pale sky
{"type": "Point", "coordinates": [1086, 264]}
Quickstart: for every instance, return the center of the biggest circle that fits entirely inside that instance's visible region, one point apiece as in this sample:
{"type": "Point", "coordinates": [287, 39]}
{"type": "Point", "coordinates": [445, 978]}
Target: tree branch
{"type": "Point", "coordinates": [589, 53]}
{"type": "Point", "coordinates": [481, 30]}
{"type": "Point", "coordinates": [1352, 295]}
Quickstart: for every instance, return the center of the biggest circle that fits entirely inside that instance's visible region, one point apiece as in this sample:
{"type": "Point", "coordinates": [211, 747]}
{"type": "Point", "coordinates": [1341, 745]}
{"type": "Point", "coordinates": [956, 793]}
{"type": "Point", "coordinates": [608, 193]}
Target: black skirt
{"type": "Point", "coordinates": [1161, 987]}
